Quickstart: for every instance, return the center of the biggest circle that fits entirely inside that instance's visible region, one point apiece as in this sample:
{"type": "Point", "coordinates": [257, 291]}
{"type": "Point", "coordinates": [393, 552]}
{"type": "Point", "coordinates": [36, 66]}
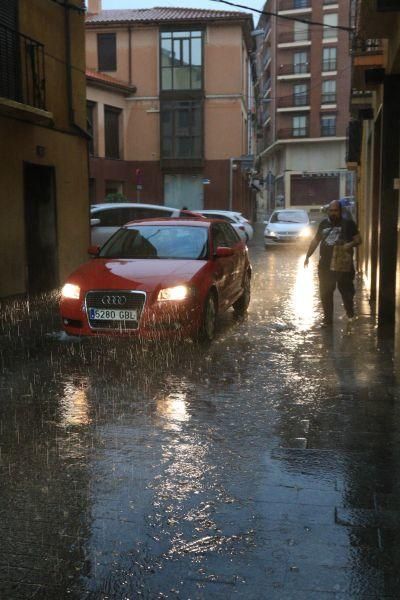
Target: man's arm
{"type": "Point", "coordinates": [356, 241]}
{"type": "Point", "coordinates": [312, 247]}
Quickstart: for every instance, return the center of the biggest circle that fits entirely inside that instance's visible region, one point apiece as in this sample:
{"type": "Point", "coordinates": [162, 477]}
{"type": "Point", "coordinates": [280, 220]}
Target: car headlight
{"type": "Point", "coordinates": [179, 292]}
{"type": "Point", "coordinates": [71, 291]}
{"type": "Point", "coordinates": [269, 232]}
{"type": "Point", "coordinates": [306, 232]}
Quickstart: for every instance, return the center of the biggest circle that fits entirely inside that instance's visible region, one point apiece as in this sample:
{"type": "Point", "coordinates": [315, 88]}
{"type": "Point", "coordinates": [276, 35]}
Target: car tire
{"type": "Point", "coordinates": [206, 332]}
{"type": "Point", "coordinates": [241, 305]}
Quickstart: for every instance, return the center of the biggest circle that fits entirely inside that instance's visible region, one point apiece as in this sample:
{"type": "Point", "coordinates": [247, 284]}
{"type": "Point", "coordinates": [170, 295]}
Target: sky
{"type": "Point", "coordinates": [207, 4]}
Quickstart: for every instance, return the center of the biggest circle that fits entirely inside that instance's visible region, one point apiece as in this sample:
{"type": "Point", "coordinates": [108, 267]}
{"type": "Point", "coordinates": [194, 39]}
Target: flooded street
{"type": "Point", "coordinates": [261, 466]}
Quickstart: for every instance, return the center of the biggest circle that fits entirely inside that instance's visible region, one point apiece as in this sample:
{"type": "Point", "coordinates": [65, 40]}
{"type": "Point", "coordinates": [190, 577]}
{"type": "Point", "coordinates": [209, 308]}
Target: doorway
{"type": "Point", "coordinates": [40, 228]}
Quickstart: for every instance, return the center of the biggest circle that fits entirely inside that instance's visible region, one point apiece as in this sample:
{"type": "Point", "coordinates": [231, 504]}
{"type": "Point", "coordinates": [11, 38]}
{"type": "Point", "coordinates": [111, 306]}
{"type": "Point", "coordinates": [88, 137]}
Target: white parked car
{"type": "Point", "coordinates": [236, 219]}
{"type": "Point", "coordinates": [287, 226]}
{"type": "Point", "coordinates": [106, 218]}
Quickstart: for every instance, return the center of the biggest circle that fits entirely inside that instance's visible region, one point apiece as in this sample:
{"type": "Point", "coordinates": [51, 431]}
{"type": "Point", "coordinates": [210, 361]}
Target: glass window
{"type": "Point", "coordinates": [111, 131]}
{"type": "Point", "coordinates": [299, 124]}
{"type": "Point", "coordinates": [289, 216]}
{"type": "Point", "coordinates": [181, 60]}
{"type": "Point", "coordinates": [328, 125]}
{"type": "Point", "coordinates": [329, 56]}
{"type": "Point", "coordinates": [300, 94]}
{"type": "Point", "coordinates": [158, 241]}
{"type": "Point", "coordinates": [181, 130]}
{"type": "Point", "coordinates": [301, 31]}
{"type": "Point", "coordinates": [328, 91]}
{"type": "Point", "coordinates": [107, 51]}
{"type": "Point", "coordinates": [330, 19]}
{"type": "Point", "coordinates": [300, 62]}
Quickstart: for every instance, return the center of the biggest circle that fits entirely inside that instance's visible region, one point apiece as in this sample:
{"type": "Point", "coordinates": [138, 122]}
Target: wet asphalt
{"type": "Point", "coordinates": [262, 466]}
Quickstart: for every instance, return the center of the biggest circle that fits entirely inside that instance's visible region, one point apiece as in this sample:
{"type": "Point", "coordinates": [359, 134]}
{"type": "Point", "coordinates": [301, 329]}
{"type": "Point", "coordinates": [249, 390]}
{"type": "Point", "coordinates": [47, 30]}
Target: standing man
{"type": "Point", "coordinates": [335, 231]}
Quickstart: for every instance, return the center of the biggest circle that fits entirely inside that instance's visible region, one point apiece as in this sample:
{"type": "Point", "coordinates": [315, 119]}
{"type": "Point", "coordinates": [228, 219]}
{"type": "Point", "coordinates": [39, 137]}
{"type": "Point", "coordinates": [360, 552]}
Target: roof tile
{"type": "Point", "coordinates": [162, 15]}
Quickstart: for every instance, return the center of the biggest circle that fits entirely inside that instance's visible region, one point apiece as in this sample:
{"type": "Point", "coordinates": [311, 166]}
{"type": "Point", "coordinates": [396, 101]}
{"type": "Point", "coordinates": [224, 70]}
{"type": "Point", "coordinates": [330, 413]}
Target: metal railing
{"type": "Point", "coordinates": [293, 132]}
{"type": "Point", "coordinates": [329, 64]}
{"type": "Point", "coordinates": [294, 69]}
{"type": "Point", "coordinates": [369, 46]}
{"type": "Point", "coordinates": [302, 99]}
{"type": "Point", "coordinates": [293, 4]}
{"type": "Point", "coordinates": [294, 36]}
{"type": "Point", "coordinates": [22, 70]}
{"type": "Point", "coordinates": [327, 130]}
{"type": "Point", "coordinates": [328, 98]}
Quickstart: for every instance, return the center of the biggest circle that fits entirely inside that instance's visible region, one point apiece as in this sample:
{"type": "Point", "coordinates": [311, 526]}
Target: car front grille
{"type": "Point", "coordinates": [115, 300]}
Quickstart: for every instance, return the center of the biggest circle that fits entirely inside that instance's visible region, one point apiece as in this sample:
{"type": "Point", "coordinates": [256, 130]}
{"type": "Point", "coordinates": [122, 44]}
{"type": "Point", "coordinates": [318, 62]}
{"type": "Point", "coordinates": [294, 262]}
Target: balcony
{"type": "Point", "coordinates": [22, 76]}
{"type": "Point", "coordinates": [294, 4]}
{"type": "Point", "coordinates": [293, 132]}
{"type": "Point", "coordinates": [295, 100]}
{"type": "Point", "coordinates": [293, 37]}
{"type": "Point", "coordinates": [328, 130]}
{"type": "Point", "coordinates": [367, 54]}
{"type": "Point", "coordinates": [329, 65]}
{"type": "Point", "coordinates": [328, 98]}
{"type": "Point", "coordinates": [294, 69]}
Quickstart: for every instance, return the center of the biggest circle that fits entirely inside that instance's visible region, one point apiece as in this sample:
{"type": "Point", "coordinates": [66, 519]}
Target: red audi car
{"type": "Point", "coordinates": [159, 277]}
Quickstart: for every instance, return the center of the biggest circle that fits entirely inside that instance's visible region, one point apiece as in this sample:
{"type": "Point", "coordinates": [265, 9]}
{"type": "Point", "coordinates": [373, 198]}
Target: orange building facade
{"type": "Point", "coordinates": [170, 106]}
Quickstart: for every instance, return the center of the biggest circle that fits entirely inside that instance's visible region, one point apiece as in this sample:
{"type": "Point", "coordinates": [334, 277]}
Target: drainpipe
{"type": "Point", "coordinates": [130, 54]}
{"type": "Point", "coordinates": [68, 62]}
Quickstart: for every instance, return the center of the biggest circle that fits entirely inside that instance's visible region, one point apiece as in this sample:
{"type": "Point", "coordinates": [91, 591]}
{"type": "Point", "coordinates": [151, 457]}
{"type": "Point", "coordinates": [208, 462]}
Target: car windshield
{"type": "Point", "coordinates": [157, 241]}
{"type": "Point", "coordinates": [289, 216]}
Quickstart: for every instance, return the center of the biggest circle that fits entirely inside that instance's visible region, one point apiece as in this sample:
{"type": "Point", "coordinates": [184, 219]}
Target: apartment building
{"type": "Point", "coordinates": [169, 102]}
{"type": "Point", "coordinates": [44, 230]}
{"type": "Point", "coordinates": [303, 90]}
{"type": "Point", "coordinates": [374, 150]}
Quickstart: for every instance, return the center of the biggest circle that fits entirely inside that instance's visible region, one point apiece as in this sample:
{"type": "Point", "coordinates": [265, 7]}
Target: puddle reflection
{"type": "Point", "coordinates": [304, 295]}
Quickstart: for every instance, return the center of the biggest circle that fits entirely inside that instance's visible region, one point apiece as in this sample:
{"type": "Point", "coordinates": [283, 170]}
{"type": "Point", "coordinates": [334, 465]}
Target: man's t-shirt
{"type": "Point", "coordinates": [330, 234]}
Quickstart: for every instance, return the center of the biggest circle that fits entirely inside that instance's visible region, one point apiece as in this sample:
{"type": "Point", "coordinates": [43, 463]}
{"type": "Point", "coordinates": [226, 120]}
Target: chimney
{"type": "Point", "coordinates": [94, 7]}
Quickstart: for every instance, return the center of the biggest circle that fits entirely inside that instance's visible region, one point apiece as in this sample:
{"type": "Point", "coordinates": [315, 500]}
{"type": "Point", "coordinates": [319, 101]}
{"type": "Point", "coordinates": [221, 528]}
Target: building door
{"type": "Point", "coordinates": [40, 229]}
{"type": "Point", "coordinates": [184, 190]}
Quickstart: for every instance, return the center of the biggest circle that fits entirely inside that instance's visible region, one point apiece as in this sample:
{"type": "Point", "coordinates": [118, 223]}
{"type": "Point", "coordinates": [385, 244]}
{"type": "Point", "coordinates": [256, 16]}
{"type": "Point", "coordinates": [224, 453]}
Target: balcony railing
{"type": "Point", "coordinates": [294, 100]}
{"type": "Point", "coordinates": [329, 64]}
{"type": "Point", "coordinates": [361, 47]}
{"type": "Point", "coordinates": [293, 4]}
{"type": "Point", "coordinates": [293, 132]}
{"type": "Point", "coordinates": [294, 36]}
{"type": "Point", "coordinates": [331, 2]}
{"type": "Point", "coordinates": [328, 98]}
{"type": "Point", "coordinates": [294, 69]}
{"type": "Point", "coordinates": [22, 72]}
{"type": "Point", "coordinates": [327, 130]}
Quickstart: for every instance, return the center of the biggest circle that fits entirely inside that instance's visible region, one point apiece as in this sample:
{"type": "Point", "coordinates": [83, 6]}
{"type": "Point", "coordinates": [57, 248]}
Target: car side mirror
{"type": "Point", "coordinates": [93, 250]}
{"type": "Point", "coordinates": [94, 222]}
{"type": "Point", "coordinates": [222, 251]}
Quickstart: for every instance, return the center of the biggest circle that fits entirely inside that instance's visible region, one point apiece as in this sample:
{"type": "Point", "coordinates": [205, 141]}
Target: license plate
{"type": "Point", "coordinates": [112, 314]}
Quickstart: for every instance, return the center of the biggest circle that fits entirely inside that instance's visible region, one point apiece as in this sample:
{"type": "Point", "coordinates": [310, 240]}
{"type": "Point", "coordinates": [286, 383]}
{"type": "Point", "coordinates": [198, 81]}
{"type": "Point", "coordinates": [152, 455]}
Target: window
{"type": "Point", "coordinates": [90, 108]}
{"type": "Point", "coordinates": [181, 60]}
{"type": "Point", "coordinates": [114, 187]}
{"type": "Point", "coordinates": [299, 125]}
{"type": "Point", "coordinates": [329, 59]}
{"type": "Point", "coordinates": [328, 91]}
{"type": "Point", "coordinates": [300, 94]}
{"type": "Point", "coordinates": [330, 21]}
{"type": "Point", "coordinates": [301, 3]}
{"type": "Point", "coordinates": [300, 62]}
{"type": "Point", "coordinates": [111, 131]}
{"type": "Point", "coordinates": [301, 32]}
{"type": "Point", "coordinates": [181, 130]}
{"type": "Point", "coordinates": [328, 125]}
{"type": "Point", "coordinates": [107, 51]}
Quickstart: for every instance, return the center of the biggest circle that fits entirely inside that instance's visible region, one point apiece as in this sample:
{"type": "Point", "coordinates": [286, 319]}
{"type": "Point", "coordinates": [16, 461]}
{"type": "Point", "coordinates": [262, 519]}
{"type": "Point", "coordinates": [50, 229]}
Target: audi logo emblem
{"type": "Point", "coordinates": [114, 300]}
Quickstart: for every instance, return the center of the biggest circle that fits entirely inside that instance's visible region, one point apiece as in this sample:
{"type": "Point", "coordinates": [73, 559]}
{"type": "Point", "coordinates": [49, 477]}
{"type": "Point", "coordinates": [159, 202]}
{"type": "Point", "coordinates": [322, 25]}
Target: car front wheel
{"type": "Point", "coordinates": [241, 305]}
{"type": "Point", "coordinates": [207, 329]}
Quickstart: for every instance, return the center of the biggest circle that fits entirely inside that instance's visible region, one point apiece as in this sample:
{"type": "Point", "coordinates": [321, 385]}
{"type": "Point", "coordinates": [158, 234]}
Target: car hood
{"type": "Point", "coordinates": [281, 227]}
{"type": "Point", "coordinates": [141, 274]}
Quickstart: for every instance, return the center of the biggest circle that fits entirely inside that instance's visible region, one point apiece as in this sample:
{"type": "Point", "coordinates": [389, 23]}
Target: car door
{"type": "Point", "coordinates": [238, 260]}
{"type": "Point", "coordinates": [225, 266]}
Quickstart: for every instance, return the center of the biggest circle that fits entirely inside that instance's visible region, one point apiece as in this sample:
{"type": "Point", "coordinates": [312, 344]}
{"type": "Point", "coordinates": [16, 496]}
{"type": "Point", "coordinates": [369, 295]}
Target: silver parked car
{"type": "Point", "coordinates": [236, 219]}
{"type": "Point", "coordinates": [106, 218]}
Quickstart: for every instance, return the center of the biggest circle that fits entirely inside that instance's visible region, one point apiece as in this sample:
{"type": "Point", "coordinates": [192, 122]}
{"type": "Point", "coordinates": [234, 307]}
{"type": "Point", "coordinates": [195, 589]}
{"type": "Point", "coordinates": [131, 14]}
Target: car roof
{"type": "Point", "coordinates": [291, 210]}
{"type": "Point", "coordinates": [221, 212]}
{"type": "Point", "coordinates": [175, 222]}
{"type": "Point", "coordinates": [131, 205]}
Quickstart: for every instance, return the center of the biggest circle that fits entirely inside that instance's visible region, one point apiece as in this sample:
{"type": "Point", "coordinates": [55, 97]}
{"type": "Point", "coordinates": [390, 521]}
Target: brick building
{"type": "Point", "coordinates": [170, 97]}
{"type": "Point", "coordinates": [303, 93]}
